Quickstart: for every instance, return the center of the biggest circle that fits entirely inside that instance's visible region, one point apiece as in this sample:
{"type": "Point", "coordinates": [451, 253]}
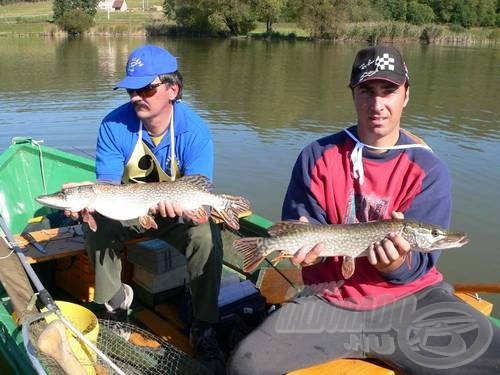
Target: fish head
{"type": "Point", "coordinates": [425, 237]}
{"type": "Point", "coordinates": [73, 199]}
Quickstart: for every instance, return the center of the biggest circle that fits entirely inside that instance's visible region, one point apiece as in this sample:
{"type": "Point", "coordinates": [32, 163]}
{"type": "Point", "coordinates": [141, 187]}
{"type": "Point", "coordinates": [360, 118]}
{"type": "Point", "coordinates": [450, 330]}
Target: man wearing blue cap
{"type": "Point", "coordinates": [156, 137]}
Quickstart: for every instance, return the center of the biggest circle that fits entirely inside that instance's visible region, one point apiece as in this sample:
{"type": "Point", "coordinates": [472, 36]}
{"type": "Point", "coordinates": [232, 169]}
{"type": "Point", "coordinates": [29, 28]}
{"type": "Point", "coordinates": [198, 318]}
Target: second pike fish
{"type": "Point", "coordinates": [347, 240]}
{"type": "Point", "coordinates": [132, 201]}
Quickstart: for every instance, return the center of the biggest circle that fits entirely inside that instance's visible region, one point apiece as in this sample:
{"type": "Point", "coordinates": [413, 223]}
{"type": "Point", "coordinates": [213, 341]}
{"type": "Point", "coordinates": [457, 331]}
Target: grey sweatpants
{"type": "Point", "coordinates": [201, 244]}
{"type": "Point", "coordinates": [425, 333]}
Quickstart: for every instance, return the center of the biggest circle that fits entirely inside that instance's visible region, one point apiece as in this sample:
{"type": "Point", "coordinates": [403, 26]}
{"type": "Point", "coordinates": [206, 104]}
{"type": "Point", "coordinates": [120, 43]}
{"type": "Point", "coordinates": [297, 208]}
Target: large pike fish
{"type": "Point", "coordinates": [347, 240]}
{"type": "Point", "coordinates": [132, 201]}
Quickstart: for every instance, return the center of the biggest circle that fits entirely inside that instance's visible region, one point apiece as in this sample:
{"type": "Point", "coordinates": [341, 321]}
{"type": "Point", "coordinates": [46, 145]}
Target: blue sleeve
{"type": "Point", "coordinates": [299, 199]}
{"type": "Point", "coordinates": [432, 205]}
{"type": "Point", "coordinates": [194, 146]}
{"type": "Point", "coordinates": [110, 161]}
{"type": "Point", "coordinates": [201, 157]}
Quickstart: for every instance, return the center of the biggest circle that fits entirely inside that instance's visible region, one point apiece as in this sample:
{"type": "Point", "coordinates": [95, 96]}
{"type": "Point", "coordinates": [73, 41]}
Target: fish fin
{"type": "Point", "coordinates": [89, 219]}
{"type": "Point", "coordinates": [249, 248]}
{"type": "Point", "coordinates": [148, 222]}
{"type": "Point", "coordinates": [198, 215]}
{"type": "Point", "coordinates": [283, 227]}
{"type": "Point", "coordinates": [348, 266]}
{"type": "Point", "coordinates": [280, 257]}
{"type": "Point", "coordinates": [233, 207]}
{"type": "Point", "coordinates": [200, 181]}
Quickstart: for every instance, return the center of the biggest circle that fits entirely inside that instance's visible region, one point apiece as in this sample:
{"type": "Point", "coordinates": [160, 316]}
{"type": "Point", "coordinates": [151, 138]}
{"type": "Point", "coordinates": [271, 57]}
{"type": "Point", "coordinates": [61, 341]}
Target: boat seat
{"type": "Point", "coordinates": [57, 242]}
{"type": "Point", "coordinates": [66, 246]}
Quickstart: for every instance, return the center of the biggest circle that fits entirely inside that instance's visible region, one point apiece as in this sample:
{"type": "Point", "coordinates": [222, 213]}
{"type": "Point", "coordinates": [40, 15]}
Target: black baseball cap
{"type": "Point", "coordinates": [379, 62]}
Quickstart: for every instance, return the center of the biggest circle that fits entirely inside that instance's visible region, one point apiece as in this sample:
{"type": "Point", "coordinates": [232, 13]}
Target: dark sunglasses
{"type": "Point", "coordinates": [146, 91]}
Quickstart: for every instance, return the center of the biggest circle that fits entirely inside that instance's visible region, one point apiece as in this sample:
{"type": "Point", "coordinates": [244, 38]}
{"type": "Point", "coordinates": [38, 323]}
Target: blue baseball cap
{"type": "Point", "coordinates": [145, 64]}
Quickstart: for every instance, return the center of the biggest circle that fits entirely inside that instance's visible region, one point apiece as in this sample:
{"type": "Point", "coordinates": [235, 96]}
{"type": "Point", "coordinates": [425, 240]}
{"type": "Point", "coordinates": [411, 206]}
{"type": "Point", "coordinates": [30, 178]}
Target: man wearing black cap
{"type": "Point", "coordinates": [156, 137]}
{"type": "Point", "coordinates": [374, 306]}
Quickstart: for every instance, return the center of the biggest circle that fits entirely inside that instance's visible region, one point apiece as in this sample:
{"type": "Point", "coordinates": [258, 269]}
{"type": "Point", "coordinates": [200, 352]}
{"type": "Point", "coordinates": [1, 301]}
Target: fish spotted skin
{"type": "Point", "coordinates": [132, 201]}
{"type": "Point", "coordinates": [348, 240]}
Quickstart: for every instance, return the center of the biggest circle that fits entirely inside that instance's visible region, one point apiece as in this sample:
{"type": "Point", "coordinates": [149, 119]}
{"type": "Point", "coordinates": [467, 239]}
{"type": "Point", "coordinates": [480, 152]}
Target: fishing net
{"type": "Point", "coordinates": [132, 349]}
{"type": "Point", "coordinates": [53, 346]}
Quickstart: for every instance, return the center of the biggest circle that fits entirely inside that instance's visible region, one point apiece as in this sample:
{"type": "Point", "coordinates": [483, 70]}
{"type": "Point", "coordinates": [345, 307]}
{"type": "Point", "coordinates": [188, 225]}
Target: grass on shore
{"type": "Point", "coordinates": [19, 13]}
{"type": "Point", "coordinates": [35, 18]}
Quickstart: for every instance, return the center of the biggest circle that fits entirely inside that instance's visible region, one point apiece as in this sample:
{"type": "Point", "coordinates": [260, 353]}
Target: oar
{"type": "Point", "coordinates": [47, 299]}
{"type": "Point", "coordinates": [477, 288]}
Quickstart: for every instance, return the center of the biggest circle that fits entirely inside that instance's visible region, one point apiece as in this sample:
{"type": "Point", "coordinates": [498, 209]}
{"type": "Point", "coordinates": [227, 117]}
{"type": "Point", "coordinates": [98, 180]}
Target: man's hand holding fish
{"type": "Point", "coordinates": [386, 255]}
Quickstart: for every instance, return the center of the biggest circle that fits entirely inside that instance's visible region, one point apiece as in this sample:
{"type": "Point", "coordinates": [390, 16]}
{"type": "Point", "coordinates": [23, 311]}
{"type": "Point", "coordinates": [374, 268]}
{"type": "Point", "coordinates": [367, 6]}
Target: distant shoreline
{"type": "Point", "coordinates": [455, 40]}
{"type": "Point", "coordinates": [137, 23]}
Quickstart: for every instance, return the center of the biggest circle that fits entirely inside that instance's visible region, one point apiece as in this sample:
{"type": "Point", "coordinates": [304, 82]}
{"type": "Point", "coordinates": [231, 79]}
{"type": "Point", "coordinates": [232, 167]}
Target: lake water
{"type": "Point", "coordinates": [264, 102]}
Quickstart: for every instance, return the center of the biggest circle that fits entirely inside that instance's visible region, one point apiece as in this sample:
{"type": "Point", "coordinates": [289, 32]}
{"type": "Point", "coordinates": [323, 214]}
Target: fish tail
{"type": "Point", "coordinates": [249, 248]}
{"type": "Point", "coordinates": [231, 210]}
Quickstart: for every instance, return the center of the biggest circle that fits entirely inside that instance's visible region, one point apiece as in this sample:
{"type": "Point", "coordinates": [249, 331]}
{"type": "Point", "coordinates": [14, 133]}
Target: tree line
{"type": "Point", "coordinates": [322, 17]}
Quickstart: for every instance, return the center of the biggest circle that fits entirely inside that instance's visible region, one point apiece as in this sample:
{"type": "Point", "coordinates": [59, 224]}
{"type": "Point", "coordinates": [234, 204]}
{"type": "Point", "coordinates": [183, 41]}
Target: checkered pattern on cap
{"type": "Point", "coordinates": [379, 62]}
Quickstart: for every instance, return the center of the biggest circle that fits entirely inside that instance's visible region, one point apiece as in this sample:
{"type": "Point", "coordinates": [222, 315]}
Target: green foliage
{"type": "Point", "coordinates": [291, 12]}
{"type": "Point", "coordinates": [169, 8]}
{"type": "Point", "coordinates": [487, 12]}
{"type": "Point", "coordinates": [463, 13]}
{"type": "Point", "coordinates": [60, 7]}
{"type": "Point", "coordinates": [357, 20]}
{"type": "Point", "coordinates": [159, 28]}
{"type": "Point", "coordinates": [191, 15]}
{"type": "Point", "coordinates": [269, 11]}
{"type": "Point", "coordinates": [205, 17]}
{"type": "Point", "coordinates": [466, 13]}
{"type": "Point", "coordinates": [75, 21]}
{"type": "Point", "coordinates": [375, 32]}
{"type": "Point", "coordinates": [392, 9]}
{"type": "Point", "coordinates": [419, 14]}
{"type": "Point", "coordinates": [362, 11]}
{"type": "Point", "coordinates": [457, 29]}
{"type": "Point", "coordinates": [323, 18]}
{"type": "Point", "coordinates": [237, 16]}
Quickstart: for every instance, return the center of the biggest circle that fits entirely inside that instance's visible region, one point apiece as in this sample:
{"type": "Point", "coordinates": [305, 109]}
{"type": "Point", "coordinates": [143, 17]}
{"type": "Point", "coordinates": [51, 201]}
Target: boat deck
{"type": "Point", "coordinates": [66, 246]}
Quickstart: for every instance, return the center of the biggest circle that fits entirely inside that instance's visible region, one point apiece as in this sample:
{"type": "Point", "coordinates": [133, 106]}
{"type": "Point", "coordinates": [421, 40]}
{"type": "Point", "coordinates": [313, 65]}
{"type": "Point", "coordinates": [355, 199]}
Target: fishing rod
{"type": "Point", "coordinates": [48, 301]}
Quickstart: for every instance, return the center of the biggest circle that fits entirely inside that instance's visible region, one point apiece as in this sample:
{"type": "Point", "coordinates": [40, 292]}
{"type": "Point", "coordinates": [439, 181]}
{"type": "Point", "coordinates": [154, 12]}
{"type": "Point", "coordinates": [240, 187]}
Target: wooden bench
{"type": "Point", "coordinates": [57, 243]}
{"type": "Point", "coordinates": [66, 246]}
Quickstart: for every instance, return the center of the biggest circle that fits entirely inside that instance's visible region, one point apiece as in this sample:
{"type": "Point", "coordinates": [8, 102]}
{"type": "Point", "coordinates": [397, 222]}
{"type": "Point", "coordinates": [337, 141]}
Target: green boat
{"type": "Point", "coordinates": [29, 169]}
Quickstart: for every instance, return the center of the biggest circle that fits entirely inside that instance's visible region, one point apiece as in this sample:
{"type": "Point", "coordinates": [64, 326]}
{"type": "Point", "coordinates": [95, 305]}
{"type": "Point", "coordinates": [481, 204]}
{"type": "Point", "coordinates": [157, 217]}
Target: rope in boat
{"type": "Point", "coordinates": [17, 140]}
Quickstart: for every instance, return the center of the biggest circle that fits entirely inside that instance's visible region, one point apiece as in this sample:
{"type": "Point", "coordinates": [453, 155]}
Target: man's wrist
{"type": "Point", "coordinates": [392, 266]}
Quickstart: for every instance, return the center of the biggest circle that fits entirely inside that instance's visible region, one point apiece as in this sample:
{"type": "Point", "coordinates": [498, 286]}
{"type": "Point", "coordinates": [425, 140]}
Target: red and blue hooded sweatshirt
{"type": "Point", "coordinates": [410, 180]}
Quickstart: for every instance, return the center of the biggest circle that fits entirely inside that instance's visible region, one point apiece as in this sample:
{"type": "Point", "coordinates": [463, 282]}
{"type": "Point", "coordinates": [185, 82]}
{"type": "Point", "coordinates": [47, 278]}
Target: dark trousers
{"type": "Point", "coordinates": [425, 333]}
{"type": "Point", "coordinates": [201, 244]}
